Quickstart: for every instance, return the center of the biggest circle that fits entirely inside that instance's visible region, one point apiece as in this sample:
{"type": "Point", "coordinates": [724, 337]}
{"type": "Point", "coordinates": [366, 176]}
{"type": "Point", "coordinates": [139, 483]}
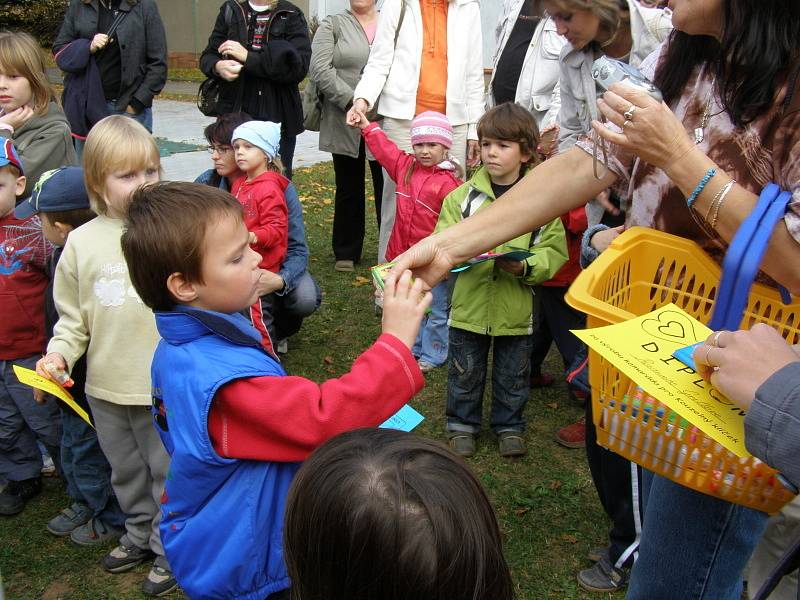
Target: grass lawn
{"type": "Point", "coordinates": [545, 502]}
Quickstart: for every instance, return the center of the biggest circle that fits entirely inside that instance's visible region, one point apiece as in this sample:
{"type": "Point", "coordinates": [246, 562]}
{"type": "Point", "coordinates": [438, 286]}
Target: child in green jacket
{"type": "Point", "coordinates": [492, 301]}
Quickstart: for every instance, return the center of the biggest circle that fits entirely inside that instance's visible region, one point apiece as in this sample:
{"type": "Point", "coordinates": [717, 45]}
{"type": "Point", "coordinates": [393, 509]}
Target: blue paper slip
{"type": "Point", "coordinates": [685, 355]}
{"type": "Point", "coordinates": [404, 419]}
{"type": "Point", "coordinates": [518, 255]}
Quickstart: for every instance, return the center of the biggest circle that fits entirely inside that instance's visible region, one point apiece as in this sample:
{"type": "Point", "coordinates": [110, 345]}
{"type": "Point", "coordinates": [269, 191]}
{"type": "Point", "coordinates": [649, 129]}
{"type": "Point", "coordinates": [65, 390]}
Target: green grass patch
{"type": "Point", "coordinates": [545, 502]}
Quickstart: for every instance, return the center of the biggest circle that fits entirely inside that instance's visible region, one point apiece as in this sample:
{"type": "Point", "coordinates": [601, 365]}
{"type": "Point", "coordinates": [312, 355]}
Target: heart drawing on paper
{"type": "Point", "coordinates": [671, 326]}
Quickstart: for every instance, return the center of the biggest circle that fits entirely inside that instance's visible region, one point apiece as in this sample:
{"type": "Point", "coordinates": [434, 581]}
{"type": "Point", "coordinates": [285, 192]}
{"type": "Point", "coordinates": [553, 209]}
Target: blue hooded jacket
{"type": "Point", "coordinates": [222, 518]}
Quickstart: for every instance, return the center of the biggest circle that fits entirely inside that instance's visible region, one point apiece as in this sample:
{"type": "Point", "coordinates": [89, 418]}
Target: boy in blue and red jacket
{"type": "Point", "coordinates": [235, 425]}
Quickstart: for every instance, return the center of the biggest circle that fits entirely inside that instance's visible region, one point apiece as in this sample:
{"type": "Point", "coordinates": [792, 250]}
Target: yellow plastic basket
{"type": "Point", "coordinates": [642, 270]}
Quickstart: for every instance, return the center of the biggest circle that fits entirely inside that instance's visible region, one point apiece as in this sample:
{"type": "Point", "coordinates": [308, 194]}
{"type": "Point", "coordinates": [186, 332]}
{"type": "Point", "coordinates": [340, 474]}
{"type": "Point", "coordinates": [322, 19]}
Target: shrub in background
{"type": "Point", "coordinates": [40, 18]}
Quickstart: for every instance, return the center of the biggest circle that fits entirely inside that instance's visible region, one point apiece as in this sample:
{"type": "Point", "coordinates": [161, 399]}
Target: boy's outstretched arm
{"type": "Point", "coordinates": [286, 418]}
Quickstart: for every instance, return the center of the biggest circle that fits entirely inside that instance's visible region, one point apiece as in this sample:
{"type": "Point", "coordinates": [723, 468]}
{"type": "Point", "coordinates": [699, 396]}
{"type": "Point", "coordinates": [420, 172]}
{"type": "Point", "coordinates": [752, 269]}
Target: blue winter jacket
{"type": "Point", "coordinates": [222, 518]}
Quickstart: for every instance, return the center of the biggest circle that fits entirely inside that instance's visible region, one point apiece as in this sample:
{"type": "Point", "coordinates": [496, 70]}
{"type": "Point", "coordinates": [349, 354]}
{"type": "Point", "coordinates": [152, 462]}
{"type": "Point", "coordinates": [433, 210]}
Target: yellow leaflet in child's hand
{"type": "Point", "coordinates": [642, 350]}
{"type": "Point", "coordinates": [28, 377]}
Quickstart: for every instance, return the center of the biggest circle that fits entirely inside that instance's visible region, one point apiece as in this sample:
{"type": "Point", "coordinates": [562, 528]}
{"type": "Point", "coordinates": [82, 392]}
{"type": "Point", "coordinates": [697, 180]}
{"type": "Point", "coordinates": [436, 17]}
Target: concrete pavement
{"type": "Point", "coordinates": [182, 122]}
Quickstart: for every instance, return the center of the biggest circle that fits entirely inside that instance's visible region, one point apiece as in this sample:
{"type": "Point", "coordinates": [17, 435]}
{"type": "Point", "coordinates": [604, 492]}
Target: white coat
{"type": "Point", "coordinates": [392, 73]}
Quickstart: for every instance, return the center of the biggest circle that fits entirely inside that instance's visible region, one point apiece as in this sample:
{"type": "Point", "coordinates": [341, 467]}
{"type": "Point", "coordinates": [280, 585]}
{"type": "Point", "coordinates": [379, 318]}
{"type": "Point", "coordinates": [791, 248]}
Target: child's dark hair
{"type": "Point", "coordinates": [164, 234]}
{"type": "Point", "coordinates": [221, 130]}
{"type": "Point", "coordinates": [513, 123]}
{"type": "Point", "coordinates": [74, 218]}
{"type": "Point", "coordinates": [379, 513]}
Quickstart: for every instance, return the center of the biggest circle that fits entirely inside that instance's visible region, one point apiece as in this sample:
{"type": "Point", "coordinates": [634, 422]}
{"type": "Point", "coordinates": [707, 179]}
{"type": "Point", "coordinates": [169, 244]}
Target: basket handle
{"type": "Point", "coordinates": [744, 256]}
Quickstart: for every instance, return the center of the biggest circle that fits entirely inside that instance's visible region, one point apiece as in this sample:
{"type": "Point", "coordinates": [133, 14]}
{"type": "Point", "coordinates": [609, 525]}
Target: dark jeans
{"type": "Point", "coordinates": [22, 423]}
{"type": "Point", "coordinates": [283, 315]}
{"type": "Point", "coordinates": [618, 482]}
{"type": "Point", "coordinates": [553, 320]}
{"type": "Point", "coordinates": [466, 380]}
{"type": "Point", "coordinates": [349, 205]}
{"type": "Point", "coordinates": [286, 152]}
{"type": "Point", "coordinates": [145, 118]}
{"type": "Point", "coordinates": [86, 470]}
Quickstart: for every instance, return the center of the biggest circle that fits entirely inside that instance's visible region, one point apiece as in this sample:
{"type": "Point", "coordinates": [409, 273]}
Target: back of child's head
{"type": "Point", "coordinates": [379, 513]}
{"type": "Point", "coordinates": [21, 55]}
{"type": "Point", "coordinates": [512, 123]}
{"type": "Point", "coordinates": [165, 232]}
{"type": "Point", "coordinates": [221, 130]}
{"type": "Point", "coordinates": [115, 144]}
{"type": "Point", "coordinates": [59, 196]}
{"type": "Point", "coordinates": [265, 135]}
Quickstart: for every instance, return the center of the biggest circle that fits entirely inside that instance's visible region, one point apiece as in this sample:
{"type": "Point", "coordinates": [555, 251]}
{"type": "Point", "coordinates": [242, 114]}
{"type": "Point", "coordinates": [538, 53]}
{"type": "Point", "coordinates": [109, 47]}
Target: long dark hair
{"type": "Point", "coordinates": [383, 514]}
{"type": "Point", "coordinates": [751, 61]}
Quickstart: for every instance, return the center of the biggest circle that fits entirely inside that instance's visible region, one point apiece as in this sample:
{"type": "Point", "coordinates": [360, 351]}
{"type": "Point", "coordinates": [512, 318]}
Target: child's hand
{"type": "Point", "coordinates": [357, 115]}
{"type": "Point", "coordinates": [515, 267]}
{"type": "Point", "coordinates": [404, 305]}
{"type": "Point", "coordinates": [252, 239]}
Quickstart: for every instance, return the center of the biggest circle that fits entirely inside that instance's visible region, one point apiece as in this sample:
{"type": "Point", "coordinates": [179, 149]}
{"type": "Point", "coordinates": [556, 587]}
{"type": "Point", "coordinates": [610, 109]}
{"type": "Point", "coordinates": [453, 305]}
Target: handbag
{"type": "Point", "coordinates": [312, 98]}
{"type": "Point", "coordinates": [209, 90]}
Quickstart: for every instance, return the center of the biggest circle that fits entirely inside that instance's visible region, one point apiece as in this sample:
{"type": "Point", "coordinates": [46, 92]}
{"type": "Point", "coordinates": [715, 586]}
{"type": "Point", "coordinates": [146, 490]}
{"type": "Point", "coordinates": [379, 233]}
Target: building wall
{"type": "Point", "coordinates": [189, 22]}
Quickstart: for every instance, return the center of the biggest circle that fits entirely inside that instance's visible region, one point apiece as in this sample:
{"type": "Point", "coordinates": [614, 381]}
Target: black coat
{"type": "Point", "coordinates": [142, 46]}
{"type": "Point", "coordinates": [83, 100]}
{"type": "Point", "coordinates": [266, 88]}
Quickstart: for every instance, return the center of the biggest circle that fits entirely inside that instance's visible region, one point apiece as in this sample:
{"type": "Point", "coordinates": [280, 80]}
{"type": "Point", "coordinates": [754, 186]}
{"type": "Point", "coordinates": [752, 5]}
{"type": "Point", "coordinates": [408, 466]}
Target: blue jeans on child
{"type": "Point", "coordinates": [86, 470]}
{"type": "Point", "coordinates": [431, 344]}
{"type": "Point", "coordinates": [693, 546]}
{"type": "Point", "coordinates": [22, 422]}
{"type": "Point", "coordinates": [466, 380]}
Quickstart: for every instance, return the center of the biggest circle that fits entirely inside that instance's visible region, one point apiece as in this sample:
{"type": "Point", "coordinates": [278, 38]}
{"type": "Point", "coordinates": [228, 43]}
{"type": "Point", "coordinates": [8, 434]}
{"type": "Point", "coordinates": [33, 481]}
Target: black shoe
{"type": "Point", "coordinates": [159, 582]}
{"type": "Point", "coordinates": [124, 558]}
{"type": "Point", "coordinates": [17, 494]}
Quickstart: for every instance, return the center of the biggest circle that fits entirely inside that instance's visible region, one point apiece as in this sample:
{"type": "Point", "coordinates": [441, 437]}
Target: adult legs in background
{"type": "Point", "coordinates": [399, 131]}
{"type": "Point", "coordinates": [693, 544]}
{"type": "Point", "coordinates": [288, 311]}
{"type": "Point", "coordinates": [377, 187]}
{"type": "Point", "coordinates": [782, 531]}
{"type": "Point", "coordinates": [286, 152]}
{"type": "Point", "coordinates": [556, 319]}
{"type": "Point", "coordinates": [349, 206]}
{"type": "Point", "coordinates": [431, 344]}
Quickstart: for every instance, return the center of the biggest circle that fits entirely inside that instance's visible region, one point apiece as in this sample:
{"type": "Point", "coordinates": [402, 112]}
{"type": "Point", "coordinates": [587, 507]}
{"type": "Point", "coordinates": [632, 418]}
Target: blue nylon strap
{"type": "Point", "coordinates": [744, 256]}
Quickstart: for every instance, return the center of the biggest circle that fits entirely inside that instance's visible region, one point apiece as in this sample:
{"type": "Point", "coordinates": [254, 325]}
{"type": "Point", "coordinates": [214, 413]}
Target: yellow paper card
{"type": "Point", "coordinates": [642, 350]}
{"type": "Point", "coordinates": [30, 378]}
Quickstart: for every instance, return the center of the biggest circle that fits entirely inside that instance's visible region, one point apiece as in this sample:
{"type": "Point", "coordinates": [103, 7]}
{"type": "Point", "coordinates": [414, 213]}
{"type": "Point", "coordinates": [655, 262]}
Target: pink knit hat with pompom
{"type": "Point", "coordinates": [431, 126]}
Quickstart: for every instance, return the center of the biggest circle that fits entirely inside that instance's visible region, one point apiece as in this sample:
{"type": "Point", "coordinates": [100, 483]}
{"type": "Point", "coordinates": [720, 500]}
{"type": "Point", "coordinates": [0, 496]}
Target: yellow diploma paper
{"type": "Point", "coordinates": [30, 378]}
{"type": "Point", "coordinates": [642, 350]}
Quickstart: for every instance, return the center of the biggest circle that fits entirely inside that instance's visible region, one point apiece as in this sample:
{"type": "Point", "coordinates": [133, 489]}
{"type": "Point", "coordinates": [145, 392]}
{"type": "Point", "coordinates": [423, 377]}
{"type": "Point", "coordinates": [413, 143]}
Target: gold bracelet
{"type": "Point", "coordinates": [711, 204]}
{"type": "Point", "coordinates": [723, 192]}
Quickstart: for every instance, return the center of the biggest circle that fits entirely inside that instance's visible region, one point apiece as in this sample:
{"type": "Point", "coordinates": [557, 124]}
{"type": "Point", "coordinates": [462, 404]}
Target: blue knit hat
{"type": "Point", "coordinates": [262, 134]}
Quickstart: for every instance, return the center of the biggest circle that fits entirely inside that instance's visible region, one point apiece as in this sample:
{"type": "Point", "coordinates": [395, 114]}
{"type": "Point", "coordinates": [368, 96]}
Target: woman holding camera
{"type": "Point", "coordinates": [729, 123]}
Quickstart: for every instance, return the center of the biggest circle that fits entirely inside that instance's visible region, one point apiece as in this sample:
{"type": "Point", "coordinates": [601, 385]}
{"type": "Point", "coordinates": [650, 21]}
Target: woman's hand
{"type": "Point", "coordinates": [99, 41]}
{"type": "Point", "coordinates": [737, 363]}
{"type": "Point", "coordinates": [652, 133]}
{"type": "Point", "coordinates": [17, 117]}
{"type": "Point", "coordinates": [473, 153]}
{"type": "Point", "coordinates": [427, 260]}
{"type": "Point", "coordinates": [232, 49]}
{"type": "Point", "coordinates": [228, 69]}
{"type": "Point", "coordinates": [269, 282]}
{"type": "Point", "coordinates": [357, 113]}
{"type": "Point", "coordinates": [601, 240]}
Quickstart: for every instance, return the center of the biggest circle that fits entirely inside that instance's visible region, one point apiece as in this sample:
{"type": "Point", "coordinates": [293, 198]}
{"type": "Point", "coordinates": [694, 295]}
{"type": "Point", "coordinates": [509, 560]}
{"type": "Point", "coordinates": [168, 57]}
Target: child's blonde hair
{"type": "Point", "coordinates": [117, 143]}
{"type": "Point", "coordinates": [21, 55]}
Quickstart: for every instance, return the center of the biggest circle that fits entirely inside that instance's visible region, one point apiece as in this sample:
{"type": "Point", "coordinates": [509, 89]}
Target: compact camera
{"type": "Point", "coordinates": [607, 71]}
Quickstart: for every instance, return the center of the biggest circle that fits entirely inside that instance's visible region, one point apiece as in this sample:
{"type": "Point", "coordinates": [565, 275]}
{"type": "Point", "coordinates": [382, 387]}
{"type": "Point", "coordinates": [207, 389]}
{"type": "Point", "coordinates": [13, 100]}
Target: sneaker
{"type": "Point", "coordinates": [511, 443]}
{"type": "Point", "coordinates": [540, 380]}
{"type": "Point", "coordinates": [16, 495]}
{"type": "Point", "coordinates": [68, 519]}
{"type": "Point", "coordinates": [425, 366]}
{"type": "Point", "coordinates": [94, 532]}
{"type": "Point", "coordinates": [282, 347]}
{"type": "Point", "coordinates": [603, 577]}
{"type": "Point", "coordinates": [159, 582]}
{"type": "Point", "coordinates": [573, 436]}
{"type": "Point", "coordinates": [124, 558]}
{"type": "Point", "coordinates": [48, 466]}
{"type": "Point", "coordinates": [462, 443]}
{"type": "Point", "coordinates": [344, 266]}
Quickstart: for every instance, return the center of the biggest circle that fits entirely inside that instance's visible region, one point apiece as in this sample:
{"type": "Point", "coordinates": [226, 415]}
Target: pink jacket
{"type": "Point", "coordinates": [418, 201]}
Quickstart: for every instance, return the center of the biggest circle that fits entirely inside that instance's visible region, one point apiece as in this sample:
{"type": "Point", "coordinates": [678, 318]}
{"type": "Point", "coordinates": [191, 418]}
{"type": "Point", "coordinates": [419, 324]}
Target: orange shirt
{"type": "Point", "coordinates": [432, 89]}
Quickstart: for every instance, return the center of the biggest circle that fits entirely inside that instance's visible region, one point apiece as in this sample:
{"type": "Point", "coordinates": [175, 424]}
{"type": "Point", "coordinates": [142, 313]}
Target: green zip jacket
{"type": "Point", "coordinates": [487, 299]}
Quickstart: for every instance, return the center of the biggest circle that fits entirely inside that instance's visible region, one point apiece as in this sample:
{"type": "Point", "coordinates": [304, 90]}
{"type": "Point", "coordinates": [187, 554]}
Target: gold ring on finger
{"type": "Point", "coordinates": [708, 353]}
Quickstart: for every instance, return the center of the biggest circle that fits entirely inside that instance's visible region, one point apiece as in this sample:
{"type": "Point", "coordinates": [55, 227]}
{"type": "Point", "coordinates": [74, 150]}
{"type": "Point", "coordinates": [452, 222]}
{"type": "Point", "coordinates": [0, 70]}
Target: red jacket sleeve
{"type": "Point", "coordinates": [273, 223]}
{"type": "Point", "coordinates": [386, 152]}
{"type": "Point", "coordinates": [286, 418]}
